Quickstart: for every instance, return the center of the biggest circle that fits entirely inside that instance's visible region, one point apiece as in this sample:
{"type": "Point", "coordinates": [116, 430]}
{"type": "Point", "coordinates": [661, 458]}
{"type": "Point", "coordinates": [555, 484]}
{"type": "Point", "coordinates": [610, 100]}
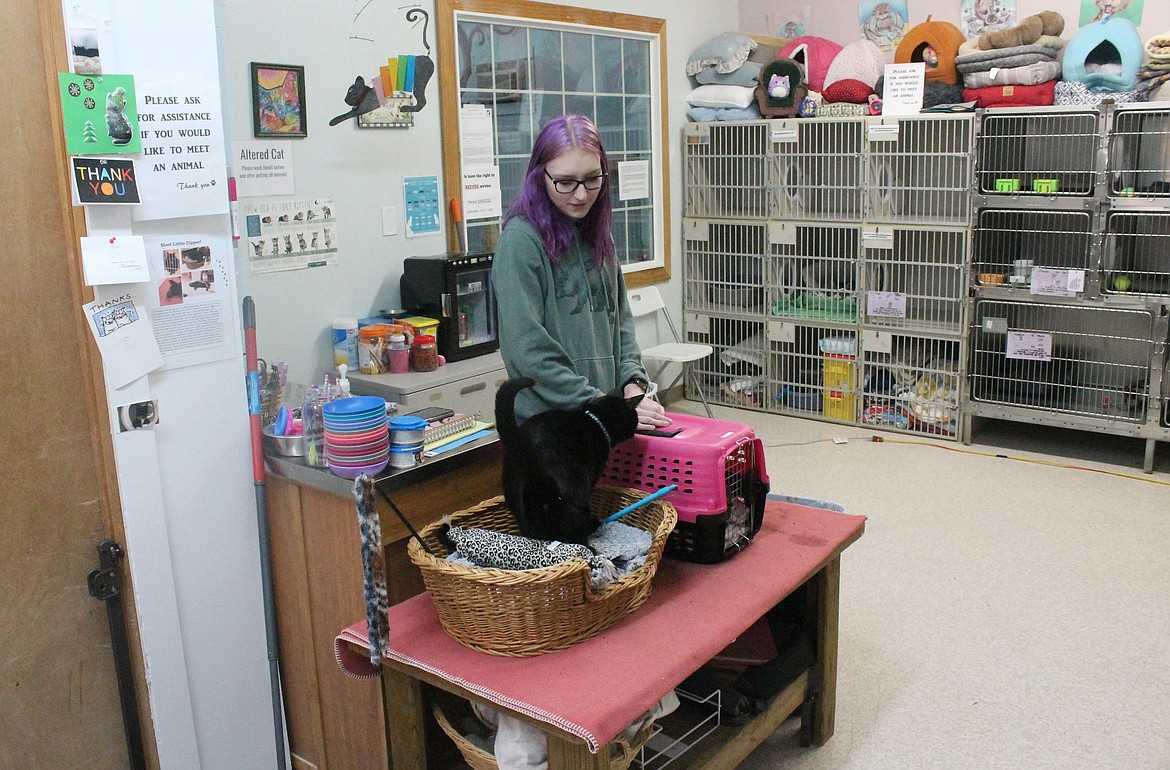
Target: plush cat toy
{"type": "Point", "coordinates": [779, 86]}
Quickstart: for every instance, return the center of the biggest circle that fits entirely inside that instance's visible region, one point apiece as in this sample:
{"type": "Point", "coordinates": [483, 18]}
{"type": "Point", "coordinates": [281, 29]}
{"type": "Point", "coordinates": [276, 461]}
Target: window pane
{"type": "Point", "coordinates": [637, 66]}
{"type": "Point", "coordinates": [611, 123]}
{"type": "Point", "coordinates": [581, 105]}
{"type": "Point", "coordinates": [639, 235]}
{"type": "Point", "coordinates": [578, 62]}
{"type": "Point", "coordinates": [619, 236]}
{"type": "Point", "coordinates": [547, 106]}
{"type": "Point", "coordinates": [511, 45]}
{"type": "Point", "coordinates": [638, 138]}
{"type": "Point", "coordinates": [511, 177]}
{"type": "Point", "coordinates": [513, 119]}
{"type": "Point", "coordinates": [477, 97]}
{"type": "Point", "coordinates": [475, 57]}
{"type": "Point", "coordinates": [608, 54]}
{"type": "Point", "coordinates": [546, 60]}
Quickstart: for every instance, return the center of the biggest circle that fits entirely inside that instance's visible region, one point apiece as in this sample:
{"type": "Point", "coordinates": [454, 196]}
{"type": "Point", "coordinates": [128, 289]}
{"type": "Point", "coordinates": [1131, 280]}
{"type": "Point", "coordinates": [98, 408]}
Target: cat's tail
{"type": "Point", "coordinates": [506, 407]}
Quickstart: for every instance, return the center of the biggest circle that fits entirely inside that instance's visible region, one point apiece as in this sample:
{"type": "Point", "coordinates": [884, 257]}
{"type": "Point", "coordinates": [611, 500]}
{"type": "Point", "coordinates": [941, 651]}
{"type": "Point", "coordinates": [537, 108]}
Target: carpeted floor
{"type": "Point", "coordinates": [997, 613]}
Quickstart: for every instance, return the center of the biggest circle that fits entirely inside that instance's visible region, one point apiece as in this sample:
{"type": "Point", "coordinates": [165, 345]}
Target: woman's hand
{"type": "Point", "coordinates": [651, 415]}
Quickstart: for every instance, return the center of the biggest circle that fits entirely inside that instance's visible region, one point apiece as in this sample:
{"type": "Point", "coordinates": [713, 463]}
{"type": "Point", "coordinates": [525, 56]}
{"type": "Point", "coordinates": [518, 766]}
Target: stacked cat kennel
{"type": "Point", "coordinates": [858, 232]}
{"type": "Point", "coordinates": [1071, 269]}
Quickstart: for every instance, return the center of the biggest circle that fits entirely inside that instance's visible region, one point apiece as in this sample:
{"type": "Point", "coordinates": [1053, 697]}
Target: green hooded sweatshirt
{"type": "Point", "coordinates": [568, 326]}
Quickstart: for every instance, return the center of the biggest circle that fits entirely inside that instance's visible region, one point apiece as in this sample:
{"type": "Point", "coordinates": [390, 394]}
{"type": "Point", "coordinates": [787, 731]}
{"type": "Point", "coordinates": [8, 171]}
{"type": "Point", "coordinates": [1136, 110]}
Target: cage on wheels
{"type": "Point", "coordinates": [718, 466]}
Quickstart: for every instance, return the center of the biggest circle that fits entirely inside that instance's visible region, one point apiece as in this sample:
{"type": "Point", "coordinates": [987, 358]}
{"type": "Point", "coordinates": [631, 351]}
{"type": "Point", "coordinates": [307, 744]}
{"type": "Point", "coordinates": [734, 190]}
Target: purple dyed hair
{"type": "Point", "coordinates": [560, 135]}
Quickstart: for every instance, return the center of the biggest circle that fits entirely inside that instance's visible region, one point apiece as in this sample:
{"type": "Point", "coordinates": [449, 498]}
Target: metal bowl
{"type": "Point", "coordinates": [285, 446]}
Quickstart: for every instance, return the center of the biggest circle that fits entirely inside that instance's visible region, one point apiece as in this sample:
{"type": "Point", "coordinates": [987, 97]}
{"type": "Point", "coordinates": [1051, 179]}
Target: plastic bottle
{"type": "Point", "coordinates": [399, 354]}
{"type": "Point", "coordinates": [345, 336]}
{"type": "Point", "coordinates": [313, 426]}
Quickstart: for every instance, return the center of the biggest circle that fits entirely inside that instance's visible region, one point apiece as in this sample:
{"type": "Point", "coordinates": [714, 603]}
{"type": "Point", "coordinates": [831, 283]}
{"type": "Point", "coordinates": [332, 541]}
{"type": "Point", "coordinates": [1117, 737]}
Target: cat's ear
{"type": "Point", "coordinates": [633, 401]}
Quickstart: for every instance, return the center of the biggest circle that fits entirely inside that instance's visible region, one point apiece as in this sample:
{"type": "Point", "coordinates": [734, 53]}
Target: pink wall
{"type": "Point", "coordinates": [837, 19]}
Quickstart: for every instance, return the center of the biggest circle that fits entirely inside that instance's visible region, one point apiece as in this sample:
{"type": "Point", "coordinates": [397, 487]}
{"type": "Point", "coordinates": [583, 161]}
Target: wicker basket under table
{"type": "Point", "coordinates": [522, 613]}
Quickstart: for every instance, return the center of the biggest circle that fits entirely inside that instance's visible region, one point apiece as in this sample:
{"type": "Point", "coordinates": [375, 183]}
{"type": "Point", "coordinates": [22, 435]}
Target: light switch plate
{"type": "Point", "coordinates": [389, 220]}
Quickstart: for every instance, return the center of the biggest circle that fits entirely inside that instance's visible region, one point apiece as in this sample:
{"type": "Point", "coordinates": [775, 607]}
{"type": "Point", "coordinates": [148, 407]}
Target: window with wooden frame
{"type": "Point", "coordinates": [517, 64]}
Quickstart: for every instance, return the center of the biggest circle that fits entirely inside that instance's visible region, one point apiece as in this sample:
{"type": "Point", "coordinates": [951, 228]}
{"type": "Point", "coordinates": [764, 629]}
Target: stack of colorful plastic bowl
{"type": "Point", "coordinates": [357, 439]}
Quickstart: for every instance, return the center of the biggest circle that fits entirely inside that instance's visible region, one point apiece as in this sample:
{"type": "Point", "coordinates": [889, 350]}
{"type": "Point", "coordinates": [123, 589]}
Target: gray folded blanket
{"type": "Point", "coordinates": [1003, 58]}
{"type": "Point", "coordinates": [1027, 75]}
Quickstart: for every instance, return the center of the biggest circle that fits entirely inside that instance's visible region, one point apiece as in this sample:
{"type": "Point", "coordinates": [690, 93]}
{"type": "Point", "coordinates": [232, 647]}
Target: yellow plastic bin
{"type": "Point", "coordinates": [840, 402]}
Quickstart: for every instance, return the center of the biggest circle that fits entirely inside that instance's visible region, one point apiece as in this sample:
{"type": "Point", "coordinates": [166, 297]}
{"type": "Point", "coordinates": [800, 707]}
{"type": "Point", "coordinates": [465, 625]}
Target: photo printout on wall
{"type": "Point", "coordinates": [979, 16]}
{"type": "Point", "coordinates": [1095, 10]}
{"type": "Point", "coordinates": [883, 22]}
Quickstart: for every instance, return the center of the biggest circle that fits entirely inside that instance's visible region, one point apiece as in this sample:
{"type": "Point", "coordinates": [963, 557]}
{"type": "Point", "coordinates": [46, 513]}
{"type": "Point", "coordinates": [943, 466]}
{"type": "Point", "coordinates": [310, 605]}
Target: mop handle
{"type": "Point", "coordinates": [640, 503]}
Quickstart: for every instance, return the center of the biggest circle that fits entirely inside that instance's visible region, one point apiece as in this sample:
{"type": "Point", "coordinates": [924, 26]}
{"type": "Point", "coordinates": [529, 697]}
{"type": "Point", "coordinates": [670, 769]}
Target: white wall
{"type": "Point", "coordinates": [837, 19]}
{"type": "Point", "coordinates": [186, 486]}
{"type": "Point", "coordinates": [364, 169]}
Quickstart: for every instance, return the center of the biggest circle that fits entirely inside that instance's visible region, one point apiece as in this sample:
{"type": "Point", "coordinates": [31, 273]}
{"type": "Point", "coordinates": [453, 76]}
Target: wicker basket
{"type": "Point", "coordinates": [477, 759]}
{"type": "Point", "coordinates": [530, 612]}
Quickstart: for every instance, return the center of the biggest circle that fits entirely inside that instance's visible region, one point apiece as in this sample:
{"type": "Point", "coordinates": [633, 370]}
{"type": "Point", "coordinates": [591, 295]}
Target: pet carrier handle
{"type": "Point", "coordinates": [633, 507]}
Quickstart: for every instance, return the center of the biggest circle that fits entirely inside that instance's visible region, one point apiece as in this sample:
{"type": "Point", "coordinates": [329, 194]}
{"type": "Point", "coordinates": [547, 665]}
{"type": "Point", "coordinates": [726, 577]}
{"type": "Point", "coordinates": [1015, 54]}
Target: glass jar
{"type": "Point", "coordinates": [424, 353]}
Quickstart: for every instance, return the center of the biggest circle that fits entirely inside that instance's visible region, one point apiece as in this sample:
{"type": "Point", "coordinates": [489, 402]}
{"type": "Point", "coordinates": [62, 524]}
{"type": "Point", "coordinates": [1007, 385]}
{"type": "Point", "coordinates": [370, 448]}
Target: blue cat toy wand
{"type": "Point", "coordinates": [649, 498]}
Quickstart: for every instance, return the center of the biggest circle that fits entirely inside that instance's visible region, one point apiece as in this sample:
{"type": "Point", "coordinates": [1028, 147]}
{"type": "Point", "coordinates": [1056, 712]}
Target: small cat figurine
{"type": "Point", "coordinates": [779, 87]}
{"type": "Point", "coordinates": [553, 461]}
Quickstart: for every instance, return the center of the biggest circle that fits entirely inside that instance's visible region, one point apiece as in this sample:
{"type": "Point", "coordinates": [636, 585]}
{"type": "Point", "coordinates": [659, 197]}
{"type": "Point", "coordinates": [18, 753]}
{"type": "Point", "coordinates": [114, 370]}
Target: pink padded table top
{"type": "Point", "coordinates": [596, 688]}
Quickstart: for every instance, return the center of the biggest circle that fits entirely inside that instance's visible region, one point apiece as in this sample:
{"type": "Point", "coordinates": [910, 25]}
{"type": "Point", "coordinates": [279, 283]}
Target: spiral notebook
{"type": "Point", "coordinates": [448, 427]}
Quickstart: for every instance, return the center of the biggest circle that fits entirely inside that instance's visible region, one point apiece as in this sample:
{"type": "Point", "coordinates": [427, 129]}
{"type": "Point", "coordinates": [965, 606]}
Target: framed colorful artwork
{"type": "Point", "coordinates": [278, 101]}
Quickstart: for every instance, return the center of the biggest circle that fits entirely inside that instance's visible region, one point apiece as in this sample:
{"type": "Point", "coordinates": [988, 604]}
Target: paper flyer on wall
{"type": "Point", "coordinates": [421, 194]}
{"type": "Point", "coordinates": [188, 299]}
{"type": "Point", "coordinates": [290, 235]}
{"type": "Point", "coordinates": [122, 330]}
{"type": "Point", "coordinates": [182, 170]}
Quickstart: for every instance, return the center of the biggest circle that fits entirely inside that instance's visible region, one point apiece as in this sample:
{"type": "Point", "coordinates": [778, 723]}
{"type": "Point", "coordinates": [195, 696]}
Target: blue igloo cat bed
{"type": "Point", "coordinates": [1105, 55]}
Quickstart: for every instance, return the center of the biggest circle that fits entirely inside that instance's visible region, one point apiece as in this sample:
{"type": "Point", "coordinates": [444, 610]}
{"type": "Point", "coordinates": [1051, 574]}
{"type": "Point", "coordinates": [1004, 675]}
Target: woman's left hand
{"type": "Point", "coordinates": [651, 415]}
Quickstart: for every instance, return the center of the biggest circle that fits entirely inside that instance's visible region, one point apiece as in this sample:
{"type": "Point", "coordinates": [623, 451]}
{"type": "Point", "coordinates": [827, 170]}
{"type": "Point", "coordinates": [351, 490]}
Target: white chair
{"type": "Point", "coordinates": [647, 301]}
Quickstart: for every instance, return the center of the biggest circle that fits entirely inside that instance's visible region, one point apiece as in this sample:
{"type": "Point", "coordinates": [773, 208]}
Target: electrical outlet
{"type": "Point", "coordinates": [389, 220]}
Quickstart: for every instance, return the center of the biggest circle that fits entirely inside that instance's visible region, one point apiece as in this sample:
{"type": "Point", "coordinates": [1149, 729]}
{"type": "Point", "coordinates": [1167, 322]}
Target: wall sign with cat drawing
{"type": "Point", "coordinates": [390, 97]}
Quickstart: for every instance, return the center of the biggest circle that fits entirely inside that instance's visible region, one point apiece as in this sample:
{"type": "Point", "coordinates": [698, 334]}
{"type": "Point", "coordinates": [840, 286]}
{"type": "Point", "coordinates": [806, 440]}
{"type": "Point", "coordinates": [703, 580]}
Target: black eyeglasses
{"type": "Point", "coordinates": [569, 186]}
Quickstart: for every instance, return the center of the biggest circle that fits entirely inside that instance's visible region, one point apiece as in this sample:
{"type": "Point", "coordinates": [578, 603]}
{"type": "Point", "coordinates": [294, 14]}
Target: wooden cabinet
{"type": "Point", "coordinates": [336, 722]}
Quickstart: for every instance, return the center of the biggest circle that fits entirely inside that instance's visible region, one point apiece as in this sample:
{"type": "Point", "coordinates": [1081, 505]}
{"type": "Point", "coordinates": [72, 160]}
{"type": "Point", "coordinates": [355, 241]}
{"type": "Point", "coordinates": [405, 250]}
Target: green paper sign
{"type": "Point", "coordinates": [100, 113]}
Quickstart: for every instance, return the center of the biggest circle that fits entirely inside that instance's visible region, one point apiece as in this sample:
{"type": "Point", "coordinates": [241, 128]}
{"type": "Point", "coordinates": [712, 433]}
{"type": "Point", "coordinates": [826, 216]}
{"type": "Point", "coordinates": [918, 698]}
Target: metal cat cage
{"type": "Point", "coordinates": [911, 383]}
{"type": "Point", "coordinates": [724, 266]}
{"type": "Point", "coordinates": [812, 270]}
{"type": "Point", "coordinates": [1136, 259]}
{"type": "Point", "coordinates": [725, 171]}
{"type": "Point", "coordinates": [1038, 153]}
{"type": "Point", "coordinates": [919, 170]}
{"type": "Point", "coordinates": [734, 374]}
{"type": "Point", "coordinates": [816, 169]}
{"type": "Point", "coordinates": [1040, 238]}
{"type": "Point", "coordinates": [812, 370]}
{"type": "Point", "coordinates": [915, 278]}
{"type": "Point", "coordinates": [1138, 158]}
{"type": "Point", "coordinates": [1083, 366]}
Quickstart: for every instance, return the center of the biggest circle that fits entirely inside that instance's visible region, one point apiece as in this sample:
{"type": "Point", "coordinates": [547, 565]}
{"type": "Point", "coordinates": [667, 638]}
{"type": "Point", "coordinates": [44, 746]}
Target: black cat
{"type": "Point", "coordinates": [553, 461]}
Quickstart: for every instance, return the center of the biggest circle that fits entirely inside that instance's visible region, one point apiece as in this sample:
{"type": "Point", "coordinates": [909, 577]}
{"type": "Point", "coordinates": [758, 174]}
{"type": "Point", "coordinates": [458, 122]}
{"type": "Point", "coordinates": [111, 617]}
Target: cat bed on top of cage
{"type": "Point", "coordinates": [782, 88]}
{"type": "Point", "coordinates": [1105, 55]}
{"type": "Point", "coordinates": [814, 54]}
{"type": "Point", "coordinates": [1074, 93]}
{"type": "Point", "coordinates": [934, 43]}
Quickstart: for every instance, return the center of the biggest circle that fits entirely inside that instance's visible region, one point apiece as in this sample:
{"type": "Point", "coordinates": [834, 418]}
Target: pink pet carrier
{"type": "Point", "coordinates": [719, 469]}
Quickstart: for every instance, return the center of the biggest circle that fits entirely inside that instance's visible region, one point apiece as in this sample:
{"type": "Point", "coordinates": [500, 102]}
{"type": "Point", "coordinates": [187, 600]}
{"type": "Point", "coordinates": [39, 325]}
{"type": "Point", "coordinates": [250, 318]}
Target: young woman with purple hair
{"type": "Point", "coordinates": [564, 317]}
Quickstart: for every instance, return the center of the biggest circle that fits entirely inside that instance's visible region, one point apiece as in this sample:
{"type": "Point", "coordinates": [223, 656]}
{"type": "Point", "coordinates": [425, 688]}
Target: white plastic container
{"type": "Point", "coordinates": [345, 335]}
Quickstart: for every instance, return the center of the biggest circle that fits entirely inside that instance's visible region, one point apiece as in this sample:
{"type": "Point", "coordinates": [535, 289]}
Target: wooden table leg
{"type": "Point", "coordinates": [564, 754]}
{"type": "Point", "coordinates": [827, 588]}
{"type": "Point", "coordinates": [405, 720]}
